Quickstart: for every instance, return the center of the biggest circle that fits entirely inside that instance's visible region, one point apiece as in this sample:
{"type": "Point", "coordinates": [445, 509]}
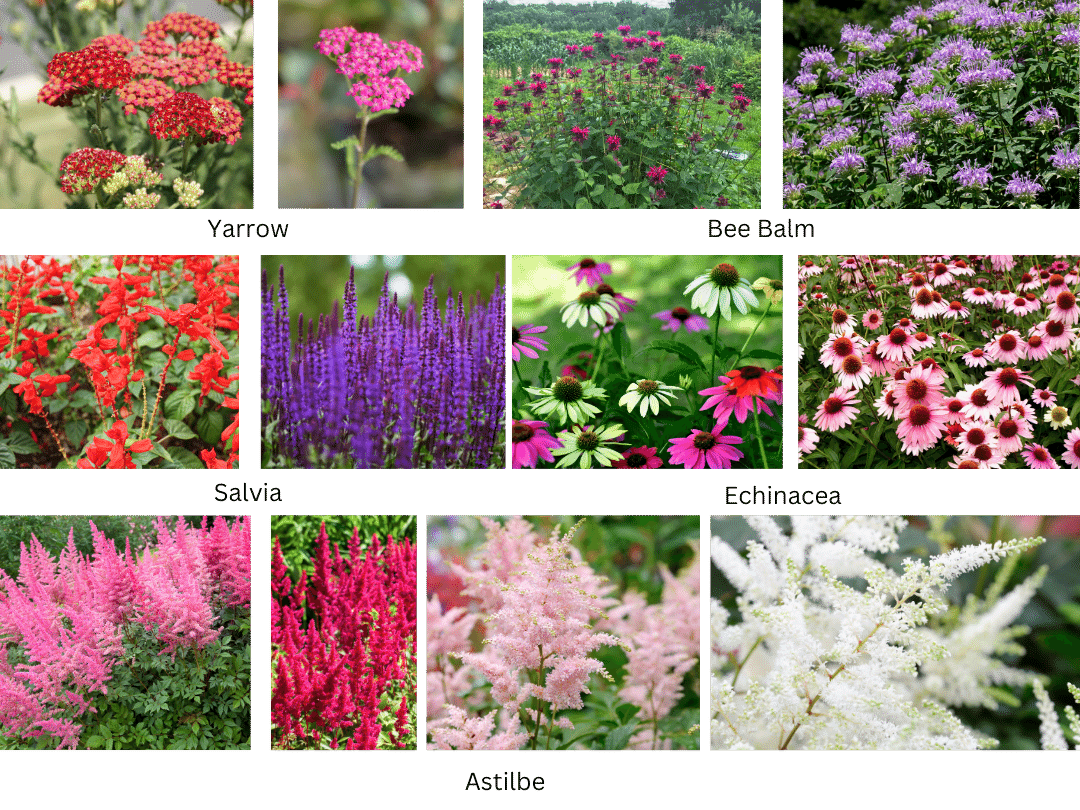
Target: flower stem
{"type": "Point", "coordinates": [359, 162]}
{"type": "Point", "coordinates": [715, 338]}
{"type": "Point", "coordinates": [750, 337]}
{"type": "Point", "coordinates": [761, 444]}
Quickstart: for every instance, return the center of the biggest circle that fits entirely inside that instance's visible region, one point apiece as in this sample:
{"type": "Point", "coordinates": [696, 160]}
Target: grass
{"type": "Point", "coordinates": [746, 193]}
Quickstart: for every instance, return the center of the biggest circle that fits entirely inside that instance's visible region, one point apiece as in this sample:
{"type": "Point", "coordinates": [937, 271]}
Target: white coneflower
{"type": "Point", "coordinates": [591, 306]}
{"type": "Point", "coordinates": [721, 287]}
{"type": "Point", "coordinates": [1058, 417]}
{"type": "Point", "coordinates": [650, 393]}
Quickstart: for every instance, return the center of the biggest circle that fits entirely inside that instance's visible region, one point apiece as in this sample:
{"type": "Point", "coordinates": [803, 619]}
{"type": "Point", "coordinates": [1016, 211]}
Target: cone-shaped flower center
{"type": "Point", "coordinates": [979, 398]}
{"type": "Point", "coordinates": [647, 387]}
{"type": "Point", "coordinates": [516, 335]}
{"type": "Point", "coordinates": [724, 275]}
{"type": "Point", "coordinates": [833, 405]}
{"type": "Point", "coordinates": [976, 436]}
{"type": "Point", "coordinates": [522, 433]}
{"type": "Point", "coordinates": [919, 415]}
{"type": "Point", "coordinates": [636, 460]}
{"type": "Point", "coordinates": [1055, 328]}
{"type": "Point", "coordinates": [752, 372]}
{"type": "Point", "coordinates": [839, 316]}
{"type": "Point", "coordinates": [925, 297]}
{"type": "Point", "coordinates": [605, 289]}
{"type": "Point", "coordinates": [588, 441]}
{"type": "Point", "coordinates": [1066, 300]}
{"type": "Point", "coordinates": [968, 465]}
{"type": "Point", "coordinates": [567, 389]}
{"type": "Point", "coordinates": [1008, 377]}
{"type": "Point", "coordinates": [916, 389]}
{"type": "Point", "coordinates": [843, 346]}
{"type": "Point", "coordinates": [852, 364]}
{"type": "Point", "coordinates": [704, 441]}
{"type": "Point", "coordinates": [1007, 342]}
{"type": "Point", "coordinates": [1040, 454]}
{"type": "Point", "coordinates": [588, 263]}
{"type": "Point", "coordinates": [1059, 414]}
{"type": "Point", "coordinates": [983, 452]}
{"type": "Point", "coordinates": [588, 297]}
{"type": "Point", "coordinates": [680, 314]}
{"type": "Point", "coordinates": [1008, 428]}
{"type": "Point", "coordinates": [898, 337]}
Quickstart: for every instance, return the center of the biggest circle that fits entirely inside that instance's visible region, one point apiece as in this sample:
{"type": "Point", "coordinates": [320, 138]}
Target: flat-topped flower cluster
{"type": "Point", "coordinates": [964, 361]}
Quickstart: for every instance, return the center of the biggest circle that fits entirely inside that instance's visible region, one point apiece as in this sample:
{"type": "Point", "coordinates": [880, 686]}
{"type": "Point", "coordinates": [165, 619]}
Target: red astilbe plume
{"type": "Point", "coordinates": [344, 646]}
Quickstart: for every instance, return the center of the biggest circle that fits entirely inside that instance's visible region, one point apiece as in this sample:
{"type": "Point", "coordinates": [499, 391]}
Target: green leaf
{"type": "Point", "coordinates": [617, 739]}
{"type": "Point", "coordinates": [151, 338]}
{"type": "Point", "coordinates": [350, 141]}
{"type": "Point", "coordinates": [94, 741]}
{"type": "Point", "coordinates": [582, 203]}
{"type": "Point", "coordinates": [20, 442]}
{"type": "Point", "coordinates": [7, 458]}
{"type": "Point", "coordinates": [1070, 611]}
{"type": "Point", "coordinates": [9, 380]}
{"type": "Point", "coordinates": [76, 430]}
{"type": "Point", "coordinates": [180, 403]}
{"type": "Point", "coordinates": [674, 347]}
{"type": "Point", "coordinates": [209, 426]}
{"type": "Point", "coordinates": [179, 430]}
{"type": "Point", "coordinates": [378, 151]}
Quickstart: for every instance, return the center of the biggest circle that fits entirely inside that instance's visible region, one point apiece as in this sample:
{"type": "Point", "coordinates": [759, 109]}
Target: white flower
{"type": "Point", "coordinates": [721, 287]}
{"type": "Point", "coordinates": [650, 393]}
{"type": "Point", "coordinates": [591, 306]}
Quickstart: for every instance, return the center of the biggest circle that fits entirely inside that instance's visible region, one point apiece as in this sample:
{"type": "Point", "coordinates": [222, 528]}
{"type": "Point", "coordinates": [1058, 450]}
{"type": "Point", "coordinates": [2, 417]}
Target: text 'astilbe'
{"type": "Point", "coordinates": [406, 388]}
{"type": "Point", "coordinates": [65, 622]}
{"type": "Point", "coordinates": [344, 647]}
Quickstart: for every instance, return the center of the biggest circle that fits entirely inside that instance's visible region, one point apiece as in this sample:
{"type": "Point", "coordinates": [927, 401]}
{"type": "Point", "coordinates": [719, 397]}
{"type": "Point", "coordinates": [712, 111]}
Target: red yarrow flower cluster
{"type": "Point", "coordinates": [76, 73]}
{"type": "Point", "coordinates": [185, 115]}
{"type": "Point", "coordinates": [84, 169]}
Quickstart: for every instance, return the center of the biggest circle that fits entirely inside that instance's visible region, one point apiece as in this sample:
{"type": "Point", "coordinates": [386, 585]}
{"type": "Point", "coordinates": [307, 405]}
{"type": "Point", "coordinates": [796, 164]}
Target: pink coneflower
{"type": "Point", "coordinates": [523, 339]}
{"type": "Point", "coordinates": [954, 406]}
{"type": "Point", "coordinates": [921, 340]}
{"type": "Point", "coordinates": [878, 364]}
{"type": "Point", "coordinates": [941, 274]}
{"type": "Point", "coordinates": [987, 457]}
{"type": "Point", "coordinates": [809, 269]}
{"type": "Point", "coordinates": [918, 283]}
{"type": "Point", "coordinates": [956, 309]}
{"type": "Point", "coordinates": [837, 411]}
{"type": "Point", "coordinates": [964, 463]}
{"type": "Point", "coordinates": [976, 358]}
{"type": "Point", "coordinates": [531, 442]}
{"type": "Point", "coordinates": [1031, 280]}
{"type": "Point", "coordinates": [927, 304]}
{"type": "Point", "coordinates": [839, 347]}
{"type": "Point", "coordinates": [1006, 347]}
{"type": "Point", "coordinates": [978, 295]}
{"type": "Point", "coordinates": [1038, 457]}
{"type": "Point", "coordinates": [1003, 297]}
{"type": "Point", "coordinates": [1011, 433]}
{"type": "Point", "coordinates": [1065, 308]}
{"type": "Point", "coordinates": [936, 373]}
{"type": "Point", "coordinates": [841, 322]}
{"type": "Point", "coordinates": [1000, 263]}
{"type": "Point", "coordinates": [808, 437]}
{"type": "Point", "coordinates": [638, 458]}
{"type": "Point", "coordinates": [1044, 397]}
{"type": "Point", "coordinates": [1071, 456]}
{"type": "Point", "coordinates": [917, 388]}
{"type": "Point", "coordinates": [1056, 335]}
{"type": "Point", "coordinates": [897, 346]}
{"type": "Point", "coordinates": [1003, 384]}
{"type": "Point", "coordinates": [978, 402]}
{"type": "Point", "coordinates": [700, 449]}
{"type": "Point", "coordinates": [1023, 305]}
{"type": "Point", "coordinates": [1036, 348]}
{"type": "Point", "coordinates": [921, 428]}
{"type": "Point", "coordinates": [727, 403]}
{"type": "Point", "coordinates": [680, 316]}
{"type": "Point", "coordinates": [1055, 285]}
{"type": "Point", "coordinates": [972, 434]}
{"type": "Point", "coordinates": [854, 373]}
{"type": "Point", "coordinates": [887, 404]}
{"type": "Point", "coordinates": [1022, 411]}
{"type": "Point", "coordinates": [873, 319]}
{"type": "Point", "coordinates": [589, 271]}
{"type": "Point", "coordinates": [961, 268]}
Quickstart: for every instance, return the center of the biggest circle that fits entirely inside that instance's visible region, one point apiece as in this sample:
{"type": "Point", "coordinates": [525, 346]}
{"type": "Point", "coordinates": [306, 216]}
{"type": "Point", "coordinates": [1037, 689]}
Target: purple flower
{"type": "Point", "coordinates": [1069, 36]}
{"type": "Point", "coordinates": [903, 142]}
{"type": "Point", "coordinates": [523, 341]}
{"type": "Point", "coordinates": [915, 167]}
{"type": "Point", "coordinates": [1043, 117]}
{"type": "Point", "coordinates": [1023, 188]}
{"type": "Point", "coordinates": [680, 316]}
{"type": "Point", "coordinates": [819, 57]}
{"type": "Point", "coordinates": [848, 162]}
{"type": "Point", "coordinates": [1066, 161]}
{"type": "Point", "coordinates": [969, 175]}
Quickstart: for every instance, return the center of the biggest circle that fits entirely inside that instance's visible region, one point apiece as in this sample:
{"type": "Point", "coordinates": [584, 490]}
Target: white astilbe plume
{"type": "Point", "coordinates": [830, 648]}
{"type": "Point", "coordinates": [1053, 738]}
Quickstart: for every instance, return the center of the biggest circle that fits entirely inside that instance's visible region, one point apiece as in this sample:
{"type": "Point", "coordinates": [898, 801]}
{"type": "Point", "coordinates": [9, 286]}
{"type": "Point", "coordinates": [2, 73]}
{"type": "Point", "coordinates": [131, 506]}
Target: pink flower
{"type": "Point", "coordinates": [701, 448]}
{"type": "Point", "coordinates": [921, 428]}
{"type": "Point", "coordinates": [680, 316]}
{"type": "Point", "coordinates": [589, 271]}
{"type": "Point", "coordinates": [1038, 457]}
{"type": "Point", "coordinates": [531, 442]}
{"type": "Point", "coordinates": [522, 339]}
{"type": "Point", "coordinates": [656, 175]}
{"type": "Point", "coordinates": [837, 411]}
{"type": "Point", "coordinates": [1072, 449]}
{"type": "Point", "coordinates": [639, 458]}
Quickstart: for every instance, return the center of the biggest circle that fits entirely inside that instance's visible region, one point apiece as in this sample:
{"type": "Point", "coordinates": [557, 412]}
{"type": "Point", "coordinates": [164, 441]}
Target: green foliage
{"type": "Point", "coordinates": [298, 533]}
{"type": "Point", "coordinates": [53, 532]}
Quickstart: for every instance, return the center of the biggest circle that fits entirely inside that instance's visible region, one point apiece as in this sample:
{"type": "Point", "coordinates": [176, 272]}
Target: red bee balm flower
{"type": "Point", "coordinates": [182, 116]}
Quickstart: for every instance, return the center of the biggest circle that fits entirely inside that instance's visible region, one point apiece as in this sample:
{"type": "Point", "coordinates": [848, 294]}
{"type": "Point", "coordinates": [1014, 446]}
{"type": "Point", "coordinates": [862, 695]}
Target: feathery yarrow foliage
{"type": "Point", "coordinates": [126, 650]}
{"type": "Point", "coordinates": [343, 646]}
{"type": "Point", "coordinates": [545, 617]}
{"type": "Point", "coordinates": [826, 646]}
{"type": "Point", "coordinates": [406, 388]}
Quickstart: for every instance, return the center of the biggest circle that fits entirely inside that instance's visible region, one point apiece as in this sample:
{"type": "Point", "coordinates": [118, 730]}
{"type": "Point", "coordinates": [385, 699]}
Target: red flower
{"type": "Point", "coordinates": [83, 169]}
{"type": "Point", "coordinates": [75, 73]}
{"type": "Point", "coordinates": [185, 115]}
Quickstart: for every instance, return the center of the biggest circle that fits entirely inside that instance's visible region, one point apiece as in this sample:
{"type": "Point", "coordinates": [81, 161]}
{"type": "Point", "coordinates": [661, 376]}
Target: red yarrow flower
{"type": "Point", "coordinates": [76, 73]}
{"type": "Point", "coordinates": [83, 169]}
{"type": "Point", "coordinates": [185, 115]}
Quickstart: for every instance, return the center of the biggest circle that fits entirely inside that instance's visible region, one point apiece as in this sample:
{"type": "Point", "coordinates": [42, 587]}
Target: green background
{"type": "Point", "coordinates": [265, 780]}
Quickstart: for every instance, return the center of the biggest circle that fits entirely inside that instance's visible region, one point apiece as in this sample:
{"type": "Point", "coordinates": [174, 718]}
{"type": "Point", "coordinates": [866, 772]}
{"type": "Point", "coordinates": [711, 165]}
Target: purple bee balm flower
{"type": "Point", "coordinates": [969, 175]}
{"type": "Point", "coordinates": [523, 338]}
{"type": "Point", "coordinates": [1066, 160]}
{"type": "Point", "coordinates": [1023, 189]}
{"type": "Point", "coordinates": [589, 271]}
{"type": "Point", "coordinates": [903, 142]}
{"type": "Point", "coordinates": [680, 316]}
{"type": "Point", "coordinates": [848, 162]}
{"type": "Point", "coordinates": [915, 167]}
{"type": "Point", "coordinates": [819, 57]}
{"type": "Point", "coordinates": [1043, 117]}
{"type": "Point", "coordinates": [1069, 36]}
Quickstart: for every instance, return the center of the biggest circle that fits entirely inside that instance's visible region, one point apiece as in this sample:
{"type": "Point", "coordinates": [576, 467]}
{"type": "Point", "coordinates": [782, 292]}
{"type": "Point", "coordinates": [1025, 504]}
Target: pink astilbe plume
{"type": "Point", "coordinates": [63, 621]}
{"type": "Point", "coordinates": [540, 602]}
{"type": "Point", "coordinates": [663, 646]}
{"type": "Point", "coordinates": [343, 640]}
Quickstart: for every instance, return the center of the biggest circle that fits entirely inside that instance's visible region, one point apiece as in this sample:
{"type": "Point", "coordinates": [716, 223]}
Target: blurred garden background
{"type": "Point", "coordinates": [315, 111]}
{"type": "Point", "coordinates": [809, 23]}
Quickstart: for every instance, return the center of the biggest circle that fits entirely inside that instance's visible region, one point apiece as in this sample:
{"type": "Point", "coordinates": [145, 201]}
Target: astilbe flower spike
{"type": "Point", "coordinates": [344, 642]}
{"type": "Point", "coordinates": [65, 619]}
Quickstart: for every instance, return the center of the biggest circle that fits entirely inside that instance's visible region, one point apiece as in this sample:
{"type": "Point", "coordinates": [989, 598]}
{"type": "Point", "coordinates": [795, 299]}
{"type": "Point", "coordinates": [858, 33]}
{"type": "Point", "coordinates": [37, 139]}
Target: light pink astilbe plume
{"type": "Point", "coordinates": [447, 635]}
{"type": "Point", "coordinates": [341, 638]}
{"type": "Point", "coordinates": [541, 634]}
{"type": "Point", "coordinates": [66, 619]}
